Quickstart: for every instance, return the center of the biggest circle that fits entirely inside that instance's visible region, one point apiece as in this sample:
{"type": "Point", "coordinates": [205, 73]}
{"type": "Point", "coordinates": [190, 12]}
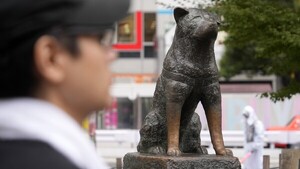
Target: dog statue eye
{"type": "Point", "coordinates": [195, 17]}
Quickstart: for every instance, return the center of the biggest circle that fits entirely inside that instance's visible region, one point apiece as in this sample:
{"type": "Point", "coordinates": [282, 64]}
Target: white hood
{"type": "Point", "coordinates": [251, 113]}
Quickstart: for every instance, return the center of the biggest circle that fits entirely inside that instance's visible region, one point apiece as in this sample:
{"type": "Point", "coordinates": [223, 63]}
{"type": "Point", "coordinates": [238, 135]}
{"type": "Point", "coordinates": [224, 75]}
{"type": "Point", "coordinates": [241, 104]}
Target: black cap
{"type": "Point", "coordinates": [97, 15]}
{"type": "Point", "coordinates": [22, 19]}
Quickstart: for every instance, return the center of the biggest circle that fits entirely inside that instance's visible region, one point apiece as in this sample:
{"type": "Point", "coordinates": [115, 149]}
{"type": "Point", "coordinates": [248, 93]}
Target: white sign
{"type": "Point", "coordinates": [170, 4]}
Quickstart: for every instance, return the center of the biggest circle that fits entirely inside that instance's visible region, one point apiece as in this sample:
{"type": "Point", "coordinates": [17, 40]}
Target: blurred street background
{"type": "Point", "coordinates": [111, 147]}
{"type": "Point", "coordinates": [257, 52]}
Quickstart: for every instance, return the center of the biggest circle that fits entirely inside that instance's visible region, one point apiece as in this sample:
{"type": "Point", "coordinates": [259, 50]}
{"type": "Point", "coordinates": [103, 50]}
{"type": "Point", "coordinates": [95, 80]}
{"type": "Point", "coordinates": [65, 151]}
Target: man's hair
{"type": "Point", "coordinates": [18, 77]}
{"type": "Point", "coordinates": [67, 40]}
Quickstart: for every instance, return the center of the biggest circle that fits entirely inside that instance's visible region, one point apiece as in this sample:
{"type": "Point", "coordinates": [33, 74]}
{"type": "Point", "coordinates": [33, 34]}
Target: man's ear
{"type": "Point", "coordinates": [179, 12]}
{"type": "Point", "coordinates": [49, 59]}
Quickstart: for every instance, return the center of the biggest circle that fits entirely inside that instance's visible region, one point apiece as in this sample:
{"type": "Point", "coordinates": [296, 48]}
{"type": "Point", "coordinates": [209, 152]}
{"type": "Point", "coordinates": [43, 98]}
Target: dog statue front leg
{"type": "Point", "coordinates": [214, 120]}
{"type": "Point", "coordinates": [173, 112]}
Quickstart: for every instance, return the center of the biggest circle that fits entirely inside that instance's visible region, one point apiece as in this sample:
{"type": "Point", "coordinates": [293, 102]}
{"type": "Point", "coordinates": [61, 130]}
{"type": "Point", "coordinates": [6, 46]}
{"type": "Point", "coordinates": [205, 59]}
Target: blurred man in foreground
{"type": "Point", "coordinates": [54, 70]}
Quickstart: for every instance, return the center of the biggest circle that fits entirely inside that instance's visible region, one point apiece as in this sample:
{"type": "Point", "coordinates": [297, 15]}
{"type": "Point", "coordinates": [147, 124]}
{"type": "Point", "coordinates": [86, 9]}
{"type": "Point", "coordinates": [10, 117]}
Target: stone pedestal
{"type": "Point", "coordinates": [290, 158]}
{"type": "Point", "coordinates": [186, 161]}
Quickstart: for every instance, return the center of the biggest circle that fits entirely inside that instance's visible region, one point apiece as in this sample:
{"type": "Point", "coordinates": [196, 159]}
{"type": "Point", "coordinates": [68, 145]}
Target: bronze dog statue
{"type": "Point", "coordinates": [189, 75]}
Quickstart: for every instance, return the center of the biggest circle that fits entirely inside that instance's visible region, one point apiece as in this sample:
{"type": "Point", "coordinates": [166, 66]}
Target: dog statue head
{"type": "Point", "coordinates": [197, 23]}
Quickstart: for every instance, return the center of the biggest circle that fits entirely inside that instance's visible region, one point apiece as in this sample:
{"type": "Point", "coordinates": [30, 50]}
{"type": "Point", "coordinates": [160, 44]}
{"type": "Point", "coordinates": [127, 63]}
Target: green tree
{"type": "Point", "coordinates": [264, 38]}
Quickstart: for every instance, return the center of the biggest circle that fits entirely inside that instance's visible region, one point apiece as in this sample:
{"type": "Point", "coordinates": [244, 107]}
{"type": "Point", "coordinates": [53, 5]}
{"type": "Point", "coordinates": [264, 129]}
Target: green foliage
{"type": "Point", "coordinates": [238, 60]}
{"type": "Point", "coordinates": [264, 37]}
{"type": "Point", "coordinates": [284, 93]}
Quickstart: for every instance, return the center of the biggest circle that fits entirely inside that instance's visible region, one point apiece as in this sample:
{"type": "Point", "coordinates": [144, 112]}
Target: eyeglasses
{"type": "Point", "coordinates": [106, 38]}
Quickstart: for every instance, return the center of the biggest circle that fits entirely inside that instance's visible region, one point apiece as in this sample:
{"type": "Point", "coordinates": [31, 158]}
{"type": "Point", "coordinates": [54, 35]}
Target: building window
{"type": "Point", "coordinates": [149, 52]}
{"type": "Point", "coordinates": [126, 30]}
{"type": "Point", "coordinates": [119, 115]}
{"type": "Point", "coordinates": [149, 26]}
{"type": "Point", "coordinates": [129, 54]}
{"type": "Point", "coordinates": [126, 116]}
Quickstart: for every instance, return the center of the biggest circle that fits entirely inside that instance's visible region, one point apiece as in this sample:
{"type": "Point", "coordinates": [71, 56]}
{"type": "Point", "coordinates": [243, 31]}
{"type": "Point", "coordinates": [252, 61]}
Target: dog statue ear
{"type": "Point", "coordinates": [179, 12]}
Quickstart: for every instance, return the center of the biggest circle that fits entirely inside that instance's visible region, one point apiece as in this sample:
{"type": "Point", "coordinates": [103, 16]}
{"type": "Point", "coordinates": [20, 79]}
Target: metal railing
{"type": "Point", "coordinates": [232, 138]}
{"type": "Point", "coordinates": [114, 144]}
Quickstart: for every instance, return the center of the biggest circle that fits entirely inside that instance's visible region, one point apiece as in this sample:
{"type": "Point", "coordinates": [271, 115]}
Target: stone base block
{"type": "Point", "coordinates": [290, 158]}
{"type": "Point", "coordinates": [185, 161]}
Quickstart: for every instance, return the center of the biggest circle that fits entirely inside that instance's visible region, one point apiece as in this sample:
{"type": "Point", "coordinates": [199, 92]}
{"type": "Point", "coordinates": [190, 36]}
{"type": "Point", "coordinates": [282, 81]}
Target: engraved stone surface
{"type": "Point", "coordinates": [185, 161]}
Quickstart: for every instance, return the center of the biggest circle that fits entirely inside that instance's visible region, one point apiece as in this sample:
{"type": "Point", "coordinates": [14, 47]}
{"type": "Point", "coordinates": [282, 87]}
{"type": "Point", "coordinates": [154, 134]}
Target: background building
{"type": "Point", "coordinates": [142, 40]}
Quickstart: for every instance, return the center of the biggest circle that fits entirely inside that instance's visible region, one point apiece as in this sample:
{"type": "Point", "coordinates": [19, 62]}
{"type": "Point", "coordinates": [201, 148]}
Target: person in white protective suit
{"type": "Point", "coordinates": [254, 139]}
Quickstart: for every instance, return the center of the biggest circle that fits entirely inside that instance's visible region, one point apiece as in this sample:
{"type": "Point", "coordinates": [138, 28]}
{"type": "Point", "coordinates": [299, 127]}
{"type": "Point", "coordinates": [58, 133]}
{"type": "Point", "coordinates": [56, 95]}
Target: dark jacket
{"type": "Point", "coordinates": [25, 154]}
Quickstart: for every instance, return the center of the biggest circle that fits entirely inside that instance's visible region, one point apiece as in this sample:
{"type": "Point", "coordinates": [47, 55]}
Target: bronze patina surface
{"type": "Point", "coordinates": [189, 76]}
